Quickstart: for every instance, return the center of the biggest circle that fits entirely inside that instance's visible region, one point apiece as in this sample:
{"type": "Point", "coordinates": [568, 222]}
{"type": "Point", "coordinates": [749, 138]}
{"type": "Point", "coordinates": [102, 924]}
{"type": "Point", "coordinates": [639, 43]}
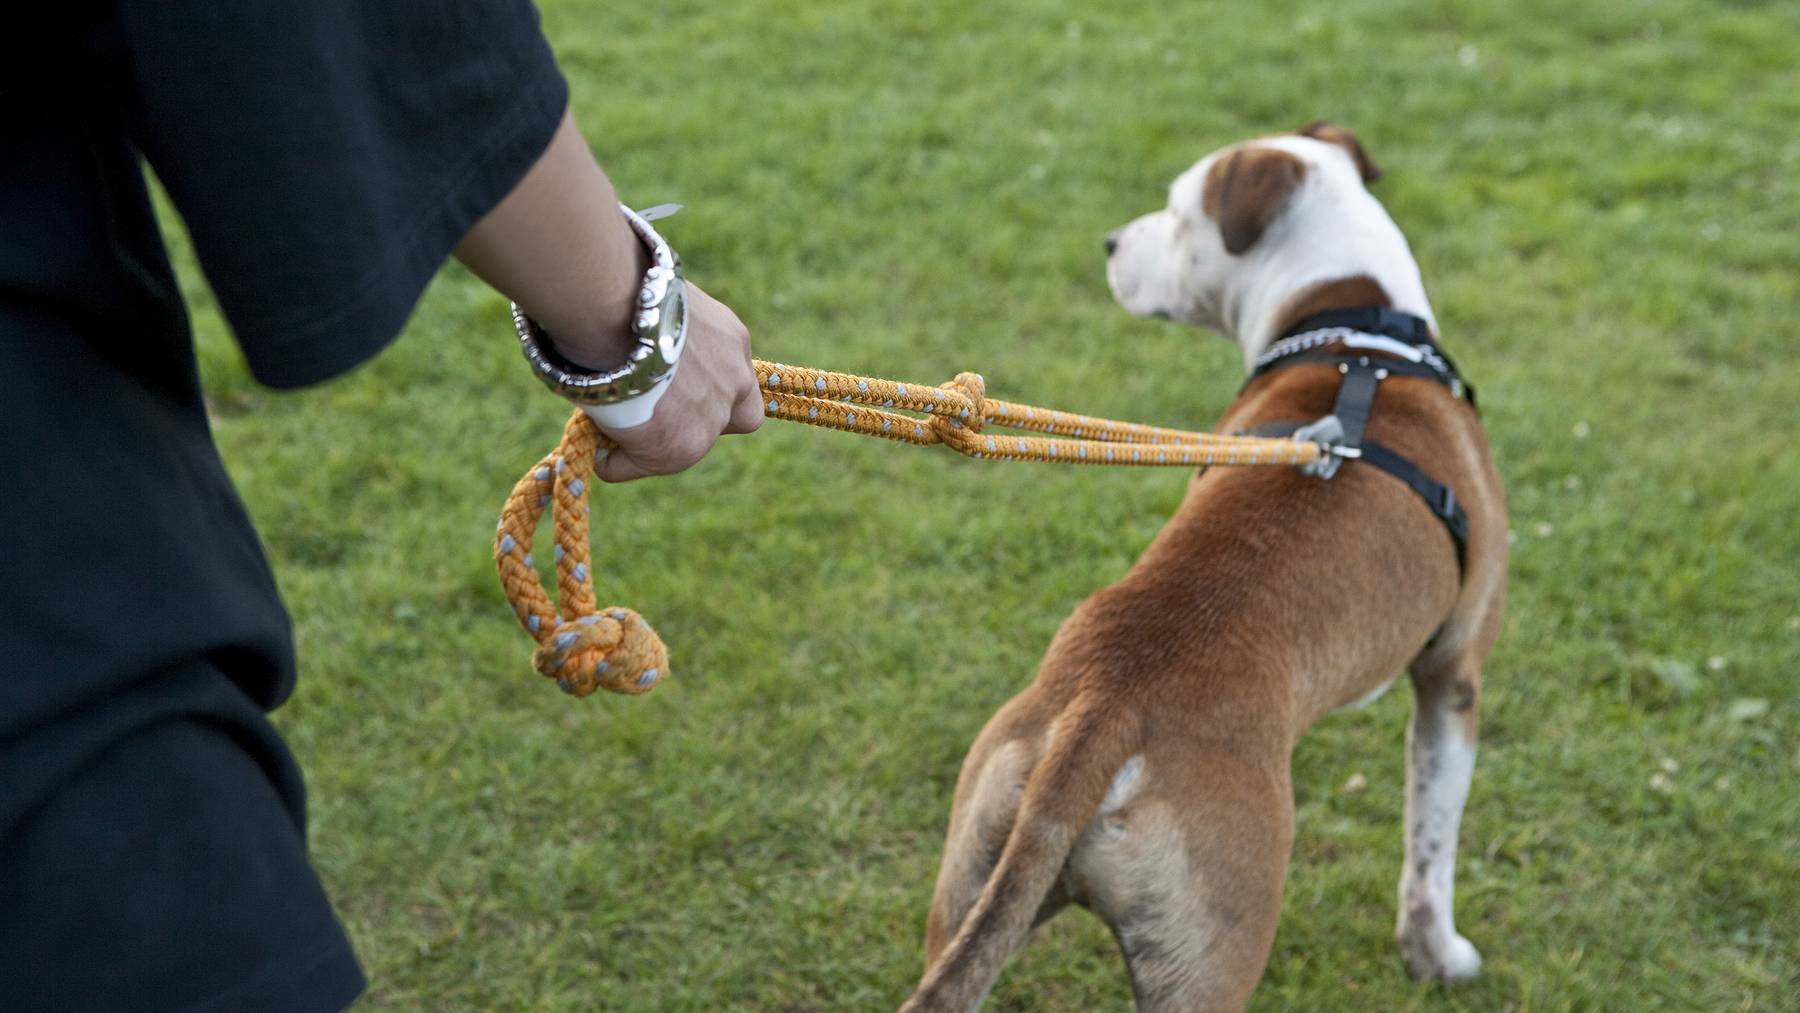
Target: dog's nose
{"type": "Point", "coordinates": [1112, 242]}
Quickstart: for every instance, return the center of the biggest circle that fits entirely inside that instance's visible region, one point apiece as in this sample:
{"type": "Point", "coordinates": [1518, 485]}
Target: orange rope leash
{"type": "Point", "coordinates": [614, 648]}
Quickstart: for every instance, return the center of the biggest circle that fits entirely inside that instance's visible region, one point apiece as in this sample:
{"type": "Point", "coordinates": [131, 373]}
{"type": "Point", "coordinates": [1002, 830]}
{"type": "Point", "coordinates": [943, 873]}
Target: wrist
{"type": "Point", "coordinates": [658, 328]}
{"type": "Point", "coordinates": [601, 337]}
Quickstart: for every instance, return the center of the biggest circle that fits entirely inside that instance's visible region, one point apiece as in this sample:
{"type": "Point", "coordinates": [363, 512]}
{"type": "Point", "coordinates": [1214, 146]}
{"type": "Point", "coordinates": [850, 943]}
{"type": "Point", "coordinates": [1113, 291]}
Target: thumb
{"type": "Point", "coordinates": [618, 466]}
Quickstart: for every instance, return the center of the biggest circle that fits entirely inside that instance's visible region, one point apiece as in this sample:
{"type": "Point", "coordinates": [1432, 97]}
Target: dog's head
{"type": "Point", "coordinates": [1252, 224]}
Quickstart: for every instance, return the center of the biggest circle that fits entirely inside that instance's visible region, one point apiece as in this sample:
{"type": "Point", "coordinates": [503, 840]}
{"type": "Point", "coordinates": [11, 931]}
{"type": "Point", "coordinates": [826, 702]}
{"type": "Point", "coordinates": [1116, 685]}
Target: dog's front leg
{"type": "Point", "coordinates": [1440, 760]}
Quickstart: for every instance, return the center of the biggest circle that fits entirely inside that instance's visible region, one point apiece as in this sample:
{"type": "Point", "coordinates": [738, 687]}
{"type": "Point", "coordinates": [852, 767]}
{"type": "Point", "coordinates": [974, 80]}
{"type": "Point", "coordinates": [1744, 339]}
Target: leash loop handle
{"type": "Point", "coordinates": [582, 647]}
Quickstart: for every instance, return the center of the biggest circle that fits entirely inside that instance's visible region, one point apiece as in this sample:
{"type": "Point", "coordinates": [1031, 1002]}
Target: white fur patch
{"type": "Point", "coordinates": [1441, 763]}
{"type": "Point", "coordinates": [1368, 698]}
{"type": "Point", "coordinates": [1123, 787]}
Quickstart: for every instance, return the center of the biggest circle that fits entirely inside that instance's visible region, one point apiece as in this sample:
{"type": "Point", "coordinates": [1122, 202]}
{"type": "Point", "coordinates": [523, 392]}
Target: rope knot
{"type": "Point", "coordinates": [614, 649]}
{"type": "Point", "coordinates": [958, 427]}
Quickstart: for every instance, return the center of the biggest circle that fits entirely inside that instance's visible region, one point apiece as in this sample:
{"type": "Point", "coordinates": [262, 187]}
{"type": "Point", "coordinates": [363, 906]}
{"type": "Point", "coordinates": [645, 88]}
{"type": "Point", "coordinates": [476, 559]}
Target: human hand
{"type": "Point", "coordinates": [714, 391]}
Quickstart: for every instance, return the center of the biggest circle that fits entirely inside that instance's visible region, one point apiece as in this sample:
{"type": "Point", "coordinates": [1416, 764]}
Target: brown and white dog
{"type": "Point", "coordinates": [1144, 774]}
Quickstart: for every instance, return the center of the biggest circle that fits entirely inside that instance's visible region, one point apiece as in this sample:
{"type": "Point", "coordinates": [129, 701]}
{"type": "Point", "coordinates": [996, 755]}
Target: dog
{"type": "Point", "coordinates": [1144, 774]}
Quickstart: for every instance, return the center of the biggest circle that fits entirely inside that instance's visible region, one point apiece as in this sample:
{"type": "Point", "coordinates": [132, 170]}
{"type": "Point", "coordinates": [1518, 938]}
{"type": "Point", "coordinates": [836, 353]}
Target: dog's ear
{"type": "Point", "coordinates": [1331, 133]}
{"type": "Point", "coordinates": [1245, 190]}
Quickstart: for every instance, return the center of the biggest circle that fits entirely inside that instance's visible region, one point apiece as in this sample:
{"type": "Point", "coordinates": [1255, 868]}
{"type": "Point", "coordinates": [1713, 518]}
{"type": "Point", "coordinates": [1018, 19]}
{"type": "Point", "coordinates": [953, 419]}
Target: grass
{"type": "Point", "coordinates": [1604, 201]}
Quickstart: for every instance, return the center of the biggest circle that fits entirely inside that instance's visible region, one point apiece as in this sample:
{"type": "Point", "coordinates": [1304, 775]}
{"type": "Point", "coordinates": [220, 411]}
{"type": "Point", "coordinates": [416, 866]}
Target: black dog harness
{"type": "Point", "coordinates": [1404, 347]}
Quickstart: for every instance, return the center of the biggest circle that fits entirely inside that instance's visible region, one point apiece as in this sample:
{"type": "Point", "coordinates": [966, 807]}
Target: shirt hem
{"type": "Point", "coordinates": [364, 324]}
{"type": "Point", "coordinates": [330, 980]}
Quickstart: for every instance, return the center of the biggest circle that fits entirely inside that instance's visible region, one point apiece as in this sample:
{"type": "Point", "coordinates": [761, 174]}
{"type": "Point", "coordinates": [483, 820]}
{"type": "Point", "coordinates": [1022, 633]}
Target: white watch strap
{"type": "Point", "coordinates": [632, 412]}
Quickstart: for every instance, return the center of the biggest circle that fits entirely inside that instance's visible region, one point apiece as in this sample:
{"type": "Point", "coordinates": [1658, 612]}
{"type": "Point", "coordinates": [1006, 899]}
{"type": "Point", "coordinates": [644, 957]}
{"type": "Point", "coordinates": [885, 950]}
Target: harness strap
{"type": "Point", "coordinates": [1393, 367]}
{"type": "Point", "coordinates": [1355, 400]}
{"type": "Point", "coordinates": [1371, 328]}
{"type": "Point", "coordinates": [1371, 320]}
{"type": "Point", "coordinates": [1439, 498]}
{"type": "Point", "coordinates": [1405, 346]}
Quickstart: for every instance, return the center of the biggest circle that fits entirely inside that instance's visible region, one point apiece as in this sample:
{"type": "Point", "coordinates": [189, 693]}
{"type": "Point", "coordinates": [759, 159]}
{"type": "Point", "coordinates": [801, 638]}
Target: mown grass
{"type": "Point", "coordinates": [1603, 198]}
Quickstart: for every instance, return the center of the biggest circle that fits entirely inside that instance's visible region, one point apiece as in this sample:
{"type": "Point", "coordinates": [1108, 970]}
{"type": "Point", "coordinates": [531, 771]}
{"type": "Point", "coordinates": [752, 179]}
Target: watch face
{"type": "Point", "coordinates": [673, 323]}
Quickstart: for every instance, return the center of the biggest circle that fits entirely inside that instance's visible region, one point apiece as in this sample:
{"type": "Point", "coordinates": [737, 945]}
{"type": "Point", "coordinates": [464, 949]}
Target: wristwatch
{"type": "Point", "coordinates": [626, 396]}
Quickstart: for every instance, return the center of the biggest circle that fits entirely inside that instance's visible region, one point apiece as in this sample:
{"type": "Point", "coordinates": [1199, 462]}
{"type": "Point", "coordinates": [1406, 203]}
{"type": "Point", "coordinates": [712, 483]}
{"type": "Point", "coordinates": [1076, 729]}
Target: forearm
{"type": "Point", "coordinates": [558, 247]}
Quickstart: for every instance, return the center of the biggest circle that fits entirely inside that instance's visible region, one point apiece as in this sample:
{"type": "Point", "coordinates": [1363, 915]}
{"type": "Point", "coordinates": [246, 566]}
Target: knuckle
{"type": "Point", "coordinates": [695, 448]}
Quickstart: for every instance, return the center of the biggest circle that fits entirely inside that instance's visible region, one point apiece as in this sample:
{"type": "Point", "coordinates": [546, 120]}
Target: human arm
{"type": "Point", "coordinates": [557, 245]}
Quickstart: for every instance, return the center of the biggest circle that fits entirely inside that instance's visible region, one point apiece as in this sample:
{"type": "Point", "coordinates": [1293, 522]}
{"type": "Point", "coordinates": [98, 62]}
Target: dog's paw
{"type": "Point", "coordinates": [1432, 956]}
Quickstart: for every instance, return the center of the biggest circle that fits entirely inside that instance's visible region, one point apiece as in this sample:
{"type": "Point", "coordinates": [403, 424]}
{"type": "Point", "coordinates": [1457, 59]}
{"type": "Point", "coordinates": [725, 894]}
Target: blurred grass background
{"type": "Point", "coordinates": [1603, 198]}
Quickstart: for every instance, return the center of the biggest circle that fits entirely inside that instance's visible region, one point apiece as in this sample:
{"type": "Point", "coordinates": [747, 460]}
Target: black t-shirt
{"type": "Point", "coordinates": [326, 156]}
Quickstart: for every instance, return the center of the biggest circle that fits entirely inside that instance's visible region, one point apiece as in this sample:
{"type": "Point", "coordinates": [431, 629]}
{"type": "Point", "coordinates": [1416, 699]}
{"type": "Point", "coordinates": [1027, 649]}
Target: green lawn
{"type": "Point", "coordinates": [1604, 200]}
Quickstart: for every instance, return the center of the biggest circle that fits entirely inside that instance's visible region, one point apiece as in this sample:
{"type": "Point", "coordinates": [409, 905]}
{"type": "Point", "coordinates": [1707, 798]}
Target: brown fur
{"type": "Point", "coordinates": [1245, 190]}
{"type": "Point", "coordinates": [1331, 133]}
{"type": "Point", "coordinates": [1268, 600]}
{"type": "Point", "coordinates": [1361, 290]}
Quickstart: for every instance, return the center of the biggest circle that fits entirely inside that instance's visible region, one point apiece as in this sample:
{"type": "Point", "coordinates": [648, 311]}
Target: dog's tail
{"type": "Point", "coordinates": [1091, 742]}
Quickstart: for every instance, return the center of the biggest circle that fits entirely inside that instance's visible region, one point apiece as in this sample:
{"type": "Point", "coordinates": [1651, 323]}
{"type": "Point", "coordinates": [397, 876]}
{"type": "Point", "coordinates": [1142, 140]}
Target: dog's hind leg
{"type": "Point", "coordinates": [987, 803]}
{"type": "Point", "coordinates": [1090, 742]}
{"type": "Point", "coordinates": [1440, 760]}
{"type": "Point", "coordinates": [988, 791]}
{"type": "Point", "coordinates": [1190, 883]}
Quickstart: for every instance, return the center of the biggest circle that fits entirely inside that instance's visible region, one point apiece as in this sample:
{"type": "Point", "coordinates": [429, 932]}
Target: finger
{"type": "Point", "coordinates": [619, 466]}
{"type": "Point", "coordinates": [747, 413]}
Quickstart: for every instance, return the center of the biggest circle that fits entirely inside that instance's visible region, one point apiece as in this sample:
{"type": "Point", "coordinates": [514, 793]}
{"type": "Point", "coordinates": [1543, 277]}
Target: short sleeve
{"type": "Point", "coordinates": [327, 155]}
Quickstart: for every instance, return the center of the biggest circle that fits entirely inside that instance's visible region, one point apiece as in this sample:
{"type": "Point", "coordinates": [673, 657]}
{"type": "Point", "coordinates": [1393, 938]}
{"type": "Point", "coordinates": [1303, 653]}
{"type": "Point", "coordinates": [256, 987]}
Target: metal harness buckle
{"type": "Point", "coordinates": [1328, 433]}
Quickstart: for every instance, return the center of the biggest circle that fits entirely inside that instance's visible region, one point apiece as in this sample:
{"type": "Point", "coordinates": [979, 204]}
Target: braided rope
{"type": "Point", "coordinates": [615, 649]}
